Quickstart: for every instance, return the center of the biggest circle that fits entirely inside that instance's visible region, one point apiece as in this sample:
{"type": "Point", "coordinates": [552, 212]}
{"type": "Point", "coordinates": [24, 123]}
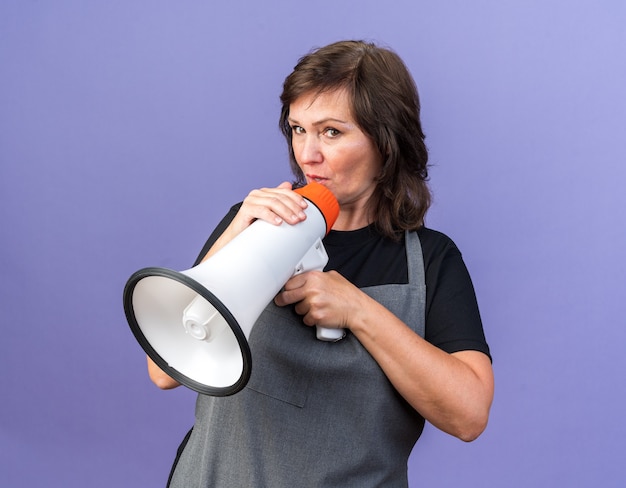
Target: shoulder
{"type": "Point", "coordinates": [436, 246]}
{"type": "Point", "coordinates": [434, 238]}
{"type": "Point", "coordinates": [453, 320]}
{"type": "Point", "coordinates": [447, 275]}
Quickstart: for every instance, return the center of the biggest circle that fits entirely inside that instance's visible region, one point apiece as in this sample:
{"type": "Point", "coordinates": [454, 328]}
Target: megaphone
{"type": "Point", "coordinates": [195, 324]}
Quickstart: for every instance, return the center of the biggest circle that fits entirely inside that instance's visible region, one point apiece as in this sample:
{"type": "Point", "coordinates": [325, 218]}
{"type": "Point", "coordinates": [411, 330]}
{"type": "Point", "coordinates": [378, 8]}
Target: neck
{"type": "Point", "coordinates": [351, 219]}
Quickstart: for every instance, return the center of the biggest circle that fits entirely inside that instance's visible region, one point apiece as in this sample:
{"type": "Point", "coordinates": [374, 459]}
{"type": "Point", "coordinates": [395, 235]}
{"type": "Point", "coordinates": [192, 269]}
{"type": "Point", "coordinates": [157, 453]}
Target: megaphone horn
{"type": "Point", "coordinates": [195, 324]}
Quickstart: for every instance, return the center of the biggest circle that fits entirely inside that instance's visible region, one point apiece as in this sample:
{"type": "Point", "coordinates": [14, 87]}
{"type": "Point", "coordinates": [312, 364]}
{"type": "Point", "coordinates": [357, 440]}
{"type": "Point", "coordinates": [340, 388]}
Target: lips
{"type": "Point", "coordinates": [316, 178]}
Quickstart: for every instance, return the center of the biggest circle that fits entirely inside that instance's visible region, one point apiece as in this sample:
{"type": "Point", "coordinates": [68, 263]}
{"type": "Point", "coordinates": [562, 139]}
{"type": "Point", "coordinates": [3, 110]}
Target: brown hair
{"type": "Point", "coordinates": [385, 105]}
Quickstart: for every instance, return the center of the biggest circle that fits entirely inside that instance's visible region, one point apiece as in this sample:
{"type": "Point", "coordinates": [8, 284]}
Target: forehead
{"type": "Point", "coordinates": [314, 105]}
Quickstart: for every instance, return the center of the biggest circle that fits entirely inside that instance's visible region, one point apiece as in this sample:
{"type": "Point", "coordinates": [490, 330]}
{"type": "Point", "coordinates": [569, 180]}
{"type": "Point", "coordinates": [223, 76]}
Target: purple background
{"type": "Point", "coordinates": [127, 128]}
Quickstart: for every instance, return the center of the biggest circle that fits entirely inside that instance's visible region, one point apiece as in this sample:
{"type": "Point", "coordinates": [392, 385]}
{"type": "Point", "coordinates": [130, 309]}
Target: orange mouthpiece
{"type": "Point", "coordinates": [323, 199]}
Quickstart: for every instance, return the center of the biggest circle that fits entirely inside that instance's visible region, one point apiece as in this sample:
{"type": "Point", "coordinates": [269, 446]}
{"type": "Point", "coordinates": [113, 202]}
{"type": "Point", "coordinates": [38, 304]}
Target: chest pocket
{"type": "Point", "coordinates": [284, 355]}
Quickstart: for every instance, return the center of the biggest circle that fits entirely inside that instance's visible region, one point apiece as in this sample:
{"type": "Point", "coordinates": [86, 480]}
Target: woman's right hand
{"type": "Point", "coordinates": [160, 377]}
{"type": "Point", "coordinates": [272, 205]}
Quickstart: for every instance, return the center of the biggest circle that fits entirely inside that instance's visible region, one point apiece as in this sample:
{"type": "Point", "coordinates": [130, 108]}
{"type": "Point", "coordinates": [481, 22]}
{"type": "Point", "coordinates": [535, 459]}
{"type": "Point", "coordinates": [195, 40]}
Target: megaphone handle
{"type": "Point", "coordinates": [330, 335]}
{"type": "Point", "coordinates": [315, 259]}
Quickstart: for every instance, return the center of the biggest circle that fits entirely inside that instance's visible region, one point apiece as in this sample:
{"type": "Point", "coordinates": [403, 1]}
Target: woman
{"type": "Point", "coordinates": [348, 413]}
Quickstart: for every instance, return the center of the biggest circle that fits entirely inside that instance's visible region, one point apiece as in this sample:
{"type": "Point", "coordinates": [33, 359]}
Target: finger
{"type": "Point", "coordinates": [313, 314]}
{"type": "Point", "coordinates": [297, 198]}
{"type": "Point", "coordinates": [296, 281]}
{"type": "Point", "coordinates": [289, 297]}
{"type": "Point", "coordinates": [276, 205]}
{"type": "Point", "coordinates": [285, 185]}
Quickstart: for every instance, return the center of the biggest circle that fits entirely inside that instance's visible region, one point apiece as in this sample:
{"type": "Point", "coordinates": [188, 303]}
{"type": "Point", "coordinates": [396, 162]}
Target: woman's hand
{"type": "Point", "coordinates": [273, 205]}
{"type": "Point", "coordinates": [323, 299]}
{"type": "Point", "coordinates": [159, 377]}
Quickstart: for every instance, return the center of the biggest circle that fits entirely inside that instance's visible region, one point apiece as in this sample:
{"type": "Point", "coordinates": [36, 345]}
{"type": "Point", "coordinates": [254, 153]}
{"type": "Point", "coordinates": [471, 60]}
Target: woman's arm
{"type": "Point", "coordinates": [452, 391]}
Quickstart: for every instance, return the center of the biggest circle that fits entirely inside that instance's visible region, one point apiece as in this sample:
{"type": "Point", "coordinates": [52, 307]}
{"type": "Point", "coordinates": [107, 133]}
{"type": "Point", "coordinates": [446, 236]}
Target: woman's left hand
{"type": "Point", "coordinates": [325, 299]}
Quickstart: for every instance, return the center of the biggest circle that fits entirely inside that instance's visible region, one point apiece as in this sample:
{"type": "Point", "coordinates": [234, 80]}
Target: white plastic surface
{"type": "Point", "coordinates": [315, 259]}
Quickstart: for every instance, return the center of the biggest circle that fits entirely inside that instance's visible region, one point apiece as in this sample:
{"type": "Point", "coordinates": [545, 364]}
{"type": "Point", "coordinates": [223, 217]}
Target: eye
{"type": "Point", "coordinates": [296, 129]}
{"type": "Point", "coordinates": [331, 132]}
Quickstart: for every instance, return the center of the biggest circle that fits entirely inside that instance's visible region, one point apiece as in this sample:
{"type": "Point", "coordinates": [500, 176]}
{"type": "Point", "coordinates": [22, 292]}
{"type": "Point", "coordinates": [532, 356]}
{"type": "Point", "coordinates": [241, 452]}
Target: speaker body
{"type": "Point", "coordinates": [195, 324]}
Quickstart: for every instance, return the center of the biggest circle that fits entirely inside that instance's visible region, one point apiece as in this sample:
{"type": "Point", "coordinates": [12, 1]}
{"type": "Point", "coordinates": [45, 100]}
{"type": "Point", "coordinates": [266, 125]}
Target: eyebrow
{"type": "Point", "coordinates": [321, 122]}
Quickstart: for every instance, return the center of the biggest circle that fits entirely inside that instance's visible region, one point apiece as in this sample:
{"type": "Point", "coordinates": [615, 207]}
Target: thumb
{"type": "Point", "coordinates": [285, 185]}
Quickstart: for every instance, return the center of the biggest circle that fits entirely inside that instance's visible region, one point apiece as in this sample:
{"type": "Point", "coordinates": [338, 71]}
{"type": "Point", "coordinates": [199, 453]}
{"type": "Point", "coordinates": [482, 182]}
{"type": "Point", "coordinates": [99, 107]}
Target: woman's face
{"type": "Point", "coordinates": [331, 149]}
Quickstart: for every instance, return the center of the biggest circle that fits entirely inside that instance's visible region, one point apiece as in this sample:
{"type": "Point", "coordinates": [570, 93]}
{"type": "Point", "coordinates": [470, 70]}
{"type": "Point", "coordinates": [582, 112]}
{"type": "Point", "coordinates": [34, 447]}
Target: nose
{"type": "Point", "coordinates": [308, 150]}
